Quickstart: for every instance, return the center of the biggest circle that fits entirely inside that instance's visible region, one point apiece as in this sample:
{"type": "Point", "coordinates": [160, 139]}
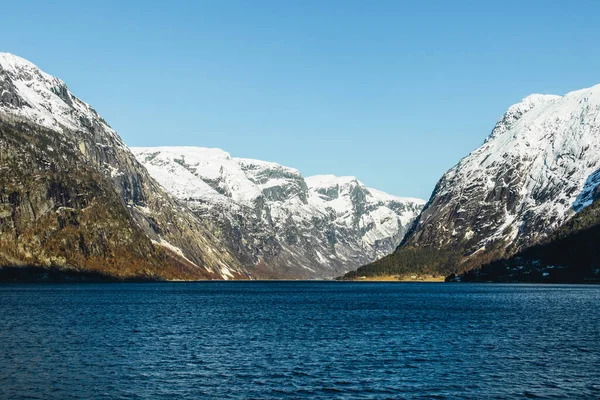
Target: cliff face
{"type": "Point", "coordinates": [57, 211]}
{"type": "Point", "coordinates": [73, 195]}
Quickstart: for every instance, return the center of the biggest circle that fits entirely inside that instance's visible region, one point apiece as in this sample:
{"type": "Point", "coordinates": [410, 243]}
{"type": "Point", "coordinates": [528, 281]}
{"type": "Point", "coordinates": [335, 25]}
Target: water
{"type": "Point", "coordinates": [299, 340]}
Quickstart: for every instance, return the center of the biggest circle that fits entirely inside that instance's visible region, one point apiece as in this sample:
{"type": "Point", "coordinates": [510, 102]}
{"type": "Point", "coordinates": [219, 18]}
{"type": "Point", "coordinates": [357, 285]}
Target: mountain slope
{"type": "Point", "coordinates": [60, 213]}
{"type": "Point", "coordinates": [62, 157]}
{"type": "Point", "coordinates": [283, 224]}
{"type": "Point", "coordinates": [568, 255]}
{"type": "Point", "coordinates": [532, 174]}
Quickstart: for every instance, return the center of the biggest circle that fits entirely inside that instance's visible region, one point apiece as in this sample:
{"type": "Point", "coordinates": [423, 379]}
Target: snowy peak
{"type": "Point", "coordinates": [516, 111]}
{"type": "Point", "coordinates": [244, 180]}
{"type": "Point", "coordinates": [329, 180]}
{"type": "Point", "coordinates": [330, 186]}
{"type": "Point", "coordinates": [204, 174]}
{"type": "Point", "coordinates": [529, 102]}
{"type": "Point", "coordinates": [346, 195]}
{"type": "Point", "coordinates": [23, 69]}
{"type": "Point", "coordinates": [276, 182]}
{"type": "Point", "coordinates": [28, 92]}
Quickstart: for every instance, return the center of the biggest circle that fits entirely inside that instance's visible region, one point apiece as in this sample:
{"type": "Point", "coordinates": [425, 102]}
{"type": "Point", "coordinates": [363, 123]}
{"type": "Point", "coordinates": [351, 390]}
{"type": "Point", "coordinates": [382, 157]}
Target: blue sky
{"type": "Point", "coordinates": [393, 92]}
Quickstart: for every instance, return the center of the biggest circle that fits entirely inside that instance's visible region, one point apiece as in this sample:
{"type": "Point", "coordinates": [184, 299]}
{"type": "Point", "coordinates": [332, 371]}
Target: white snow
{"type": "Point", "coordinates": [172, 248]}
{"type": "Point", "coordinates": [39, 93]}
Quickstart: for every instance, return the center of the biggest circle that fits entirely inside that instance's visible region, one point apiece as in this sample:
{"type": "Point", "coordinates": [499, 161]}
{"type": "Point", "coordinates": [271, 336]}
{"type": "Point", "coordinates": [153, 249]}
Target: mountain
{"type": "Point", "coordinates": [277, 221]}
{"type": "Point", "coordinates": [537, 169]}
{"type": "Point", "coordinates": [74, 198]}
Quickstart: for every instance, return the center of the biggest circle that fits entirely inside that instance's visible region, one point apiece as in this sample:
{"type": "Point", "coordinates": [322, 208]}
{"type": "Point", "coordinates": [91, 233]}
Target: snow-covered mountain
{"type": "Point", "coordinates": [282, 223]}
{"type": "Point", "coordinates": [526, 180]}
{"type": "Point", "coordinates": [60, 161]}
{"type": "Point", "coordinates": [539, 166]}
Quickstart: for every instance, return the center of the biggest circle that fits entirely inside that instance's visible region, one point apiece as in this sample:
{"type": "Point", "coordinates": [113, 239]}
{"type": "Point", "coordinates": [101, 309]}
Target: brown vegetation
{"type": "Point", "coordinates": [57, 210]}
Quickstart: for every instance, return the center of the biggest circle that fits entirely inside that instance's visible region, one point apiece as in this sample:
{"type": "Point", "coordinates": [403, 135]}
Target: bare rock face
{"type": "Point", "coordinates": [278, 222]}
{"type": "Point", "coordinates": [537, 169]}
{"type": "Point", "coordinates": [59, 158]}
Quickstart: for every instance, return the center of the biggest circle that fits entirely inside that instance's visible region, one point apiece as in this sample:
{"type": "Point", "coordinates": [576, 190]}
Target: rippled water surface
{"type": "Point", "coordinates": [299, 340]}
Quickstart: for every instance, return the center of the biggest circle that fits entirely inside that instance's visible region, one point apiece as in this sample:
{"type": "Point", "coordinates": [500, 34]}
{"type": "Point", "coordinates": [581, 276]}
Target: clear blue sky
{"type": "Point", "coordinates": [393, 92]}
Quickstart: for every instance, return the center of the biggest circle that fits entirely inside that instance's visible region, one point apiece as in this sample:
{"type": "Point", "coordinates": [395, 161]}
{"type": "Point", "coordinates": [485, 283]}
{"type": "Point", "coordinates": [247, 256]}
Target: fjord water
{"type": "Point", "coordinates": [299, 339]}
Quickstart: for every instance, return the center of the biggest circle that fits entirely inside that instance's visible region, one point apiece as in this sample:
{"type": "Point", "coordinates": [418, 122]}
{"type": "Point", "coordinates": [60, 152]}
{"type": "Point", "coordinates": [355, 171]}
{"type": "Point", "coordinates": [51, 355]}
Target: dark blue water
{"type": "Point", "coordinates": [299, 340]}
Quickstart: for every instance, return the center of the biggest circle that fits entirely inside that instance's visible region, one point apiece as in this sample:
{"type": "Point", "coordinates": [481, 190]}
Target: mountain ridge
{"type": "Point", "coordinates": [316, 227]}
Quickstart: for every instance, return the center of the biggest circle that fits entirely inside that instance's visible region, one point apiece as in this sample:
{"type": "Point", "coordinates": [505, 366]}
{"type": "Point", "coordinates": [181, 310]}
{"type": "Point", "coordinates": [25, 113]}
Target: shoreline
{"type": "Point", "coordinates": [33, 275]}
{"type": "Point", "coordinates": [396, 278]}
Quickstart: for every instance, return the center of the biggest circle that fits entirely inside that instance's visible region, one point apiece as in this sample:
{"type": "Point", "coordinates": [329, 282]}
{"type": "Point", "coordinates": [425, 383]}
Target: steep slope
{"type": "Point", "coordinates": [533, 173]}
{"type": "Point", "coordinates": [59, 156]}
{"type": "Point", "coordinates": [569, 255]}
{"type": "Point", "coordinates": [284, 225]}
{"type": "Point", "coordinates": [59, 213]}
